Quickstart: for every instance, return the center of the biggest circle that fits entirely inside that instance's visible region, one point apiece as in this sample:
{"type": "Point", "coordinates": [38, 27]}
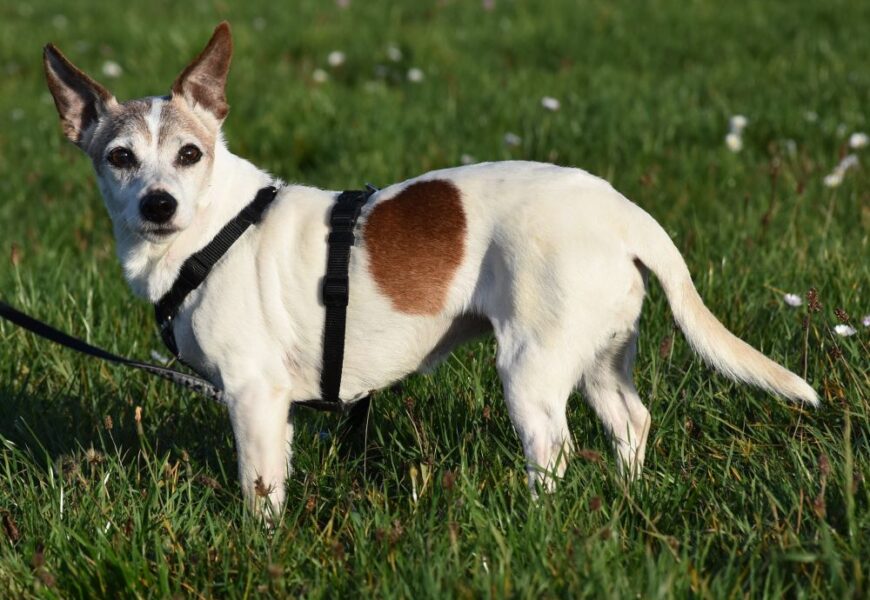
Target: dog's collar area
{"type": "Point", "coordinates": [196, 268]}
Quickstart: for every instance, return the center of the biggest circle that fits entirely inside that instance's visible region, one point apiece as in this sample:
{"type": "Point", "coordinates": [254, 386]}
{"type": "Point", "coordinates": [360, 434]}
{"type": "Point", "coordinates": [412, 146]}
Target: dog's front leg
{"type": "Point", "coordinates": [259, 415]}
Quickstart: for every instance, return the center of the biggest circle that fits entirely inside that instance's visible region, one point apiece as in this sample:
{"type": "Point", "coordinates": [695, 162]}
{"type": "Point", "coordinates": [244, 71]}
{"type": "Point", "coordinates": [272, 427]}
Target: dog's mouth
{"type": "Point", "coordinates": [157, 233]}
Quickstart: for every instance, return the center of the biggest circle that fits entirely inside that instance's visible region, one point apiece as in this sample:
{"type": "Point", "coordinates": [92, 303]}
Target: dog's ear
{"type": "Point", "coordinates": [203, 82]}
{"type": "Point", "coordinates": [80, 100]}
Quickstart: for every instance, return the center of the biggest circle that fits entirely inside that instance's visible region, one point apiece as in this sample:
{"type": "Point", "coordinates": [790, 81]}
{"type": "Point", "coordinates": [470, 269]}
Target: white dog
{"type": "Point", "coordinates": [550, 259]}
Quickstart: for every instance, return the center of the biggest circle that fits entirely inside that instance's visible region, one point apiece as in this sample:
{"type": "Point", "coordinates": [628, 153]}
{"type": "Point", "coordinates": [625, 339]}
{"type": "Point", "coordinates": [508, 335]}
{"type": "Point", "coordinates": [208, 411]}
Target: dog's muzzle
{"type": "Point", "coordinates": [158, 207]}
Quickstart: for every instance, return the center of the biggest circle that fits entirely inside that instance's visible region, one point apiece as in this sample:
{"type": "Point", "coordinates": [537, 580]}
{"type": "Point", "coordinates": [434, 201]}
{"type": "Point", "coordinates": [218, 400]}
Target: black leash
{"type": "Point", "coordinates": [191, 382]}
{"type": "Point", "coordinates": [335, 293]}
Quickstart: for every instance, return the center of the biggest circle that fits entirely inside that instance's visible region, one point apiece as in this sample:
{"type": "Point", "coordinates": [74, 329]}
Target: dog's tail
{"type": "Point", "coordinates": [719, 347]}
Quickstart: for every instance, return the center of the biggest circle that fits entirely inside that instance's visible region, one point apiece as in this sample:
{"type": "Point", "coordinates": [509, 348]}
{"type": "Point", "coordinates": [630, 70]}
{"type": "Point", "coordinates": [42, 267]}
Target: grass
{"type": "Point", "coordinates": [742, 494]}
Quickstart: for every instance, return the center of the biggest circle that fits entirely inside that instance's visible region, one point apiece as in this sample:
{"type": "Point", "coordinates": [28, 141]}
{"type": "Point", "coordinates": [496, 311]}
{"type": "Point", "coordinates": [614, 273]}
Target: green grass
{"type": "Point", "coordinates": [742, 494]}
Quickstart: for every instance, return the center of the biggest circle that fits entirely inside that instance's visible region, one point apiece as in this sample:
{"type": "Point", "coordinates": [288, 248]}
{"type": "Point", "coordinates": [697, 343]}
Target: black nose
{"type": "Point", "coordinates": [158, 207]}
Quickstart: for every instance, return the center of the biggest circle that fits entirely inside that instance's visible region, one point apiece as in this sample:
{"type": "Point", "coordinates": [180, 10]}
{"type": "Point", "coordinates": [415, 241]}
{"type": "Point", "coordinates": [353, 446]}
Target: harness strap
{"type": "Point", "coordinates": [335, 292]}
{"type": "Point", "coordinates": [197, 267]}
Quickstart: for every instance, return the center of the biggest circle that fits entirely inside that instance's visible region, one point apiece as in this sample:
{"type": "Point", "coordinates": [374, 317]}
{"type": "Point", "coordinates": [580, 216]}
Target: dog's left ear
{"type": "Point", "coordinates": [203, 82]}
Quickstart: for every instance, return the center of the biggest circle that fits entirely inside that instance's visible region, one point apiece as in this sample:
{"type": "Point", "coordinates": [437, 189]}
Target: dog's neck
{"type": "Point", "coordinates": [151, 268]}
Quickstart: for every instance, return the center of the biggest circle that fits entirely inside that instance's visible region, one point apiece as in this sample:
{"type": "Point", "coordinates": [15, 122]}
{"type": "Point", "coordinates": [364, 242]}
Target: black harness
{"type": "Point", "coordinates": [335, 291]}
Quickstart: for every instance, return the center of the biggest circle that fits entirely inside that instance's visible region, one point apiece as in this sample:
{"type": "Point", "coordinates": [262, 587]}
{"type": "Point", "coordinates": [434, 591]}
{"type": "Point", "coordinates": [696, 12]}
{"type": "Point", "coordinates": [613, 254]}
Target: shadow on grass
{"type": "Point", "coordinates": [54, 424]}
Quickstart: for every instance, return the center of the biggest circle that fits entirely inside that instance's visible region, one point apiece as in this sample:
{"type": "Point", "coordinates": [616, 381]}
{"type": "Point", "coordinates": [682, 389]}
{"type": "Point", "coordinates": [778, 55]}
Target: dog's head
{"type": "Point", "coordinates": [154, 156]}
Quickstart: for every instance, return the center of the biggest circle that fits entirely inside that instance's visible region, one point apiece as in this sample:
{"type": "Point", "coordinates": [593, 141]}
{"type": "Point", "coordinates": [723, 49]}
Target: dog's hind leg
{"type": "Point", "coordinates": [610, 391]}
{"type": "Point", "coordinates": [259, 417]}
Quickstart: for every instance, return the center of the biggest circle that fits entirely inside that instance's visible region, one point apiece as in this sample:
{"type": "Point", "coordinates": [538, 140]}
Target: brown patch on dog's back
{"type": "Point", "coordinates": [415, 243]}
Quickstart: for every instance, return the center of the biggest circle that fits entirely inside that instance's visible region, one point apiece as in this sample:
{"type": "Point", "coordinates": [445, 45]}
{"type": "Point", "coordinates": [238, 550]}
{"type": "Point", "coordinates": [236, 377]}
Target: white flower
{"type": "Point", "coordinates": [335, 58]}
{"type": "Point", "coordinates": [845, 330]}
{"type": "Point", "coordinates": [858, 140]}
{"type": "Point", "coordinates": [791, 147]}
{"type": "Point", "coordinates": [550, 103]}
{"type": "Point", "coordinates": [811, 116]}
{"type": "Point", "coordinates": [836, 176]}
{"type": "Point", "coordinates": [512, 139]}
{"type": "Point", "coordinates": [792, 300]}
{"type": "Point", "coordinates": [415, 75]}
{"type": "Point", "coordinates": [467, 159]}
{"type": "Point", "coordinates": [865, 320]}
{"type": "Point", "coordinates": [833, 180]}
{"type": "Point", "coordinates": [112, 69]}
{"type": "Point", "coordinates": [59, 21]}
{"type": "Point", "coordinates": [849, 161]}
{"type": "Point", "coordinates": [394, 53]}
{"type": "Point", "coordinates": [319, 76]}
{"type": "Point", "coordinates": [734, 142]}
{"type": "Point", "coordinates": [738, 123]}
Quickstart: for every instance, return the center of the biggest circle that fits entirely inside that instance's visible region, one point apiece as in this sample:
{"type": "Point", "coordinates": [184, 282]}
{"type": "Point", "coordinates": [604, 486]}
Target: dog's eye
{"type": "Point", "coordinates": [189, 155]}
{"type": "Point", "coordinates": [121, 158]}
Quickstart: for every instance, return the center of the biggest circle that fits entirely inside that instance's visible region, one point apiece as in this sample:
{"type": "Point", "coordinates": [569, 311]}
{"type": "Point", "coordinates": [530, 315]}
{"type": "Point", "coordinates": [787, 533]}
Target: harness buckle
{"type": "Point", "coordinates": [335, 290]}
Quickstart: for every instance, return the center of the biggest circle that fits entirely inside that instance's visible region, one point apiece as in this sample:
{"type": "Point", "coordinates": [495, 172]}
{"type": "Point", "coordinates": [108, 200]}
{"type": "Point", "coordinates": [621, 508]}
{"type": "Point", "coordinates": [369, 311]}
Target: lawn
{"type": "Point", "coordinates": [742, 494]}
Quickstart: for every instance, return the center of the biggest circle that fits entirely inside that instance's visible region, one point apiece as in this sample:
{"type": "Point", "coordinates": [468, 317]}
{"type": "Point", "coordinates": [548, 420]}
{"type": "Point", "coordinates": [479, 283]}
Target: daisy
{"type": "Point", "coordinates": [845, 330]}
{"type": "Point", "coordinates": [335, 58]}
{"type": "Point", "coordinates": [858, 140]}
{"type": "Point", "coordinates": [834, 179]}
{"type": "Point", "coordinates": [550, 103]}
{"type": "Point", "coordinates": [792, 300]}
{"type": "Point", "coordinates": [394, 53]}
{"type": "Point", "coordinates": [734, 141]}
{"type": "Point", "coordinates": [738, 123]}
{"type": "Point", "coordinates": [112, 69]}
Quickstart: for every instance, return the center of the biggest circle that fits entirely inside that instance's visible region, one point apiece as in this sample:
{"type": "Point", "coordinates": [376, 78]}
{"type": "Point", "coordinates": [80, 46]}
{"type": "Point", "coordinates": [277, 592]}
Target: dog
{"type": "Point", "coordinates": [552, 260]}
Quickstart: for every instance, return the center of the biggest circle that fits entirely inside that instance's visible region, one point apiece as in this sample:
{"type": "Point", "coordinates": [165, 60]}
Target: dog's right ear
{"type": "Point", "coordinates": [80, 100]}
{"type": "Point", "coordinates": [203, 82]}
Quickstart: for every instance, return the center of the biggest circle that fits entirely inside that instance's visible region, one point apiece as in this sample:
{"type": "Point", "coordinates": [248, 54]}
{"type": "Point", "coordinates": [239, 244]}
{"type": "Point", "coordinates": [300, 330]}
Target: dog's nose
{"type": "Point", "coordinates": [158, 207]}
